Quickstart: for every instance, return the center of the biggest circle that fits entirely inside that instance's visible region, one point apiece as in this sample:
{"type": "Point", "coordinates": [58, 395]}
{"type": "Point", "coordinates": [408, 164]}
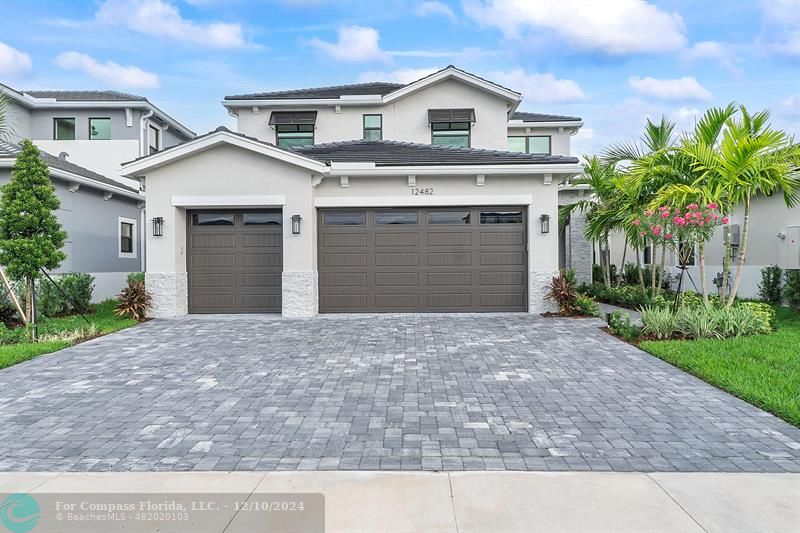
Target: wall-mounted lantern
{"type": "Point", "coordinates": [545, 222]}
{"type": "Point", "coordinates": [158, 226]}
{"type": "Point", "coordinates": [296, 224]}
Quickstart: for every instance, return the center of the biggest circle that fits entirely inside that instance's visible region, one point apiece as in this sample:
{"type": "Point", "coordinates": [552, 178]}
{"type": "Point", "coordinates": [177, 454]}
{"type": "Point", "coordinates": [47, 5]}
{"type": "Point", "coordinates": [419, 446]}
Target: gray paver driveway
{"type": "Point", "coordinates": [452, 392]}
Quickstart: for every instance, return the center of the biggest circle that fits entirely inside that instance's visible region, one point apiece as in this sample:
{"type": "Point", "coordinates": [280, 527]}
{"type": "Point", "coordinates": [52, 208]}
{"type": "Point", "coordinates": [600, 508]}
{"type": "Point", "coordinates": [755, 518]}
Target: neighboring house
{"type": "Point", "coordinates": [360, 198]}
{"type": "Point", "coordinates": [98, 130]}
{"type": "Point", "coordinates": [102, 218]}
{"type": "Point", "coordinates": [774, 240]}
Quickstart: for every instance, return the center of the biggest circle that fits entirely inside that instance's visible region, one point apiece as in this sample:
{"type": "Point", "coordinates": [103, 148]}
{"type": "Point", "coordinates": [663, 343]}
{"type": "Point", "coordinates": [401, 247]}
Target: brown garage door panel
{"type": "Point", "coordinates": [235, 267]}
{"type": "Point", "coordinates": [411, 264]}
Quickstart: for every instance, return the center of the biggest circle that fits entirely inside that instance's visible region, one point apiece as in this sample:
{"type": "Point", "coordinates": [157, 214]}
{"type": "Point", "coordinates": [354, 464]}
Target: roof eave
{"type": "Point", "coordinates": [545, 124]}
{"type": "Point", "coordinates": [367, 99]}
{"type": "Point", "coordinates": [8, 162]}
{"type": "Point", "coordinates": [371, 169]}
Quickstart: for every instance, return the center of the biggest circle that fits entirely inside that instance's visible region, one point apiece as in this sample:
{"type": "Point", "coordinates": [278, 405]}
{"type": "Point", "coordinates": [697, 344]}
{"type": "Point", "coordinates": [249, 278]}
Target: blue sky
{"type": "Point", "coordinates": [614, 63]}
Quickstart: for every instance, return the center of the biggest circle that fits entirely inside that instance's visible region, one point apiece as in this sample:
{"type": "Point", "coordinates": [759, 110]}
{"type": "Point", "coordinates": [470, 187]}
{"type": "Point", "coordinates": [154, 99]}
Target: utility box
{"type": "Point", "coordinates": [789, 249]}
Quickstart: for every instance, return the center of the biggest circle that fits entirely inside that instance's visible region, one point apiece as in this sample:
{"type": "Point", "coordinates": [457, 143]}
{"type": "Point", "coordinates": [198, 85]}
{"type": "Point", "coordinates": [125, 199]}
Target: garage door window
{"type": "Point", "coordinates": [396, 217]}
{"type": "Point", "coordinates": [448, 217]}
{"type": "Point", "coordinates": [212, 219]}
{"type": "Point", "coordinates": [263, 219]}
{"type": "Point", "coordinates": [344, 218]}
{"type": "Point", "coordinates": [501, 217]}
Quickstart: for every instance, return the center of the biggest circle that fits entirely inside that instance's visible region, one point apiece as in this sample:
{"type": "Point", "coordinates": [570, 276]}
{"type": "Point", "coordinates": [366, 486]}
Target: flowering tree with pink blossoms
{"type": "Point", "coordinates": [680, 229]}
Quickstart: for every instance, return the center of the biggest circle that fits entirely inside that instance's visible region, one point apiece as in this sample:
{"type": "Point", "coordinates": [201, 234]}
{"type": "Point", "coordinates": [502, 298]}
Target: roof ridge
{"type": "Point", "coordinates": [322, 88]}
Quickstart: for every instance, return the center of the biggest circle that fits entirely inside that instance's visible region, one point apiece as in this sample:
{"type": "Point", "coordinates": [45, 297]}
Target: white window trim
{"type": "Point", "coordinates": [160, 136]}
{"type": "Point", "coordinates": [134, 223]}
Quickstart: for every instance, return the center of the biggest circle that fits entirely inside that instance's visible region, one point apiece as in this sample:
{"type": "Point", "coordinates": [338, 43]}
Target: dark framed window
{"type": "Point", "coordinates": [263, 218]}
{"type": "Point", "coordinates": [344, 218]}
{"type": "Point", "coordinates": [100, 129]}
{"type": "Point", "coordinates": [501, 217]}
{"type": "Point", "coordinates": [289, 135]}
{"type": "Point", "coordinates": [448, 217]}
{"type": "Point", "coordinates": [396, 217]}
{"type": "Point", "coordinates": [373, 127]}
{"type": "Point", "coordinates": [64, 129]}
{"type": "Point", "coordinates": [212, 219]}
{"type": "Point", "coordinates": [451, 134]}
{"type": "Point", "coordinates": [126, 237]}
{"type": "Point", "coordinates": [153, 139]}
{"type": "Point", "coordinates": [531, 144]}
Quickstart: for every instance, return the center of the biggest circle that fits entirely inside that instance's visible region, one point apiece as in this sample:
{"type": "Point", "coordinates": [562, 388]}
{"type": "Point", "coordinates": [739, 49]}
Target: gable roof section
{"type": "Point", "coordinates": [396, 153]}
{"type": "Point", "coordinates": [217, 137]}
{"type": "Point", "coordinates": [369, 93]}
{"type": "Point", "coordinates": [334, 91]}
{"type": "Point", "coordinates": [524, 116]}
{"type": "Point", "coordinates": [9, 152]}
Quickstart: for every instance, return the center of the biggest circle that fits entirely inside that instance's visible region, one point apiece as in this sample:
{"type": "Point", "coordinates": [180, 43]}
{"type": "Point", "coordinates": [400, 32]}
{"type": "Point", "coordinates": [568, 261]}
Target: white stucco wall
{"type": "Point", "coordinates": [405, 119]}
{"type": "Point", "coordinates": [104, 157]}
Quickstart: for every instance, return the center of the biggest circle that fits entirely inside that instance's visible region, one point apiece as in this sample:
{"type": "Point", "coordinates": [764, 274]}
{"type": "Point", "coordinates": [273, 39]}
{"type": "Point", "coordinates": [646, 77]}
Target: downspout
{"type": "Point", "coordinates": [143, 132]}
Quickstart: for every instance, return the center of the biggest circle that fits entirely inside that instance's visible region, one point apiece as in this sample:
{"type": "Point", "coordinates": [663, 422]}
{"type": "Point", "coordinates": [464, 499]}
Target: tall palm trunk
{"type": "Point", "coordinates": [621, 271]}
{"type": "Point", "coordinates": [606, 262]}
{"type": "Point", "coordinates": [742, 252]}
{"type": "Point", "coordinates": [653, 273]}
{"type": "Point", "coordinates": [639, 268]}
{"type": "Point", "coordinates": [701, 258]}
{"type": "Point", "coordinates": [726, 264]}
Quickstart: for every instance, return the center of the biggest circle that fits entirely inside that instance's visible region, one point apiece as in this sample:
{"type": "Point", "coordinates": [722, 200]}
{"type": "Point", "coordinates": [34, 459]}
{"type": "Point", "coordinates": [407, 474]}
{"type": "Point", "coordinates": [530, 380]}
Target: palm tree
{"type": "Point", "coordinates": [5, 129]}
{"type": "Point", "coordinates": [601, 217]}
{"type": "Point", "coordinates": [751, 159]}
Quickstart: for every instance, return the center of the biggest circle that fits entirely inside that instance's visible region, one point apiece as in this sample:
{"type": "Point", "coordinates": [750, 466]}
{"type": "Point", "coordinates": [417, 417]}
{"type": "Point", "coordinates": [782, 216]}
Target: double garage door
{"type": "Point", "coordinates": [454, 259]}
{"type": "Point", "coordinates": [465, 259]}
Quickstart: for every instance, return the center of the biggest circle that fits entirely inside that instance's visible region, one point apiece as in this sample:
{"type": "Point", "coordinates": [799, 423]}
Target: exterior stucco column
{"type": "Point", "coordinates": [299, 281]}
{"type": "Point", "coordinates": [579, 249]}
{"type": "Point", "coordinates": [166, 278]}
{"type": "Point", "coordinates": [542, 248]}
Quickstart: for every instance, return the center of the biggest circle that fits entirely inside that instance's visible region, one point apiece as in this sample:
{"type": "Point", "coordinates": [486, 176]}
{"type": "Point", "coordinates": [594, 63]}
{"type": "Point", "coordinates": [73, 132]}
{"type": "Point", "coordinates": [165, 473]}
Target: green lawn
{"type": "Point", "coordinates": [763, 370]}
{"type": "Point", "coordinates": [101, 315]}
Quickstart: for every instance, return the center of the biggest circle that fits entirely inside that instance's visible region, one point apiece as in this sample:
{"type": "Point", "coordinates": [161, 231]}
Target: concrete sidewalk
{"type": "Point", "coordinates": [474, 501]}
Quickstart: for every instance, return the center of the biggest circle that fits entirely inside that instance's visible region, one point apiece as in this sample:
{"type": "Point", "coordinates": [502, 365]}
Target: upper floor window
{"type": "Point", "coordinates": [64, 129]}
{"type": "Point", "coordinates": [100, 129]}
{"type": "Point", "coordinates": [373, 127]}
{"type": "Point", "coordinates": [288, 135]}
{"type": "Point", "coordinates": [535, 144]}
{"type": "Point", "coordinates": [451, 134]}
{"type": "Point", "coordinates": [153, 138]}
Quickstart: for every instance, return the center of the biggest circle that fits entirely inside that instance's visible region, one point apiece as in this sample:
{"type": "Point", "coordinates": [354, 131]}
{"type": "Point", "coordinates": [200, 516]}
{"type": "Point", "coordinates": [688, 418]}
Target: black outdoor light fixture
{"type": "Point", "coordinates": [158, 226]}
{"type": "Point", "coordinates": [545, 221]}
{"type": "Point", "coordinates": [296, 224]}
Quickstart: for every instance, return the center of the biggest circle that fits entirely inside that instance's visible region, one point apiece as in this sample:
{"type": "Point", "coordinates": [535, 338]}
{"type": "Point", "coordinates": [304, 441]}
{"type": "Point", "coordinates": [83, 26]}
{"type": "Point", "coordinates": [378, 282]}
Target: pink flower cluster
{"type": "Point", "coordinates": [673, 223]}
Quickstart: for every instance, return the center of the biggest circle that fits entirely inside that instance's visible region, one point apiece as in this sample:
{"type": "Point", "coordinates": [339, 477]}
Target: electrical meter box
{"type": "Point", "coordinates": [789, 249]}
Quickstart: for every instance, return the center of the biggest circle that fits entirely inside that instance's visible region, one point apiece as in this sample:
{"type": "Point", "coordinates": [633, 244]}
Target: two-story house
{"type": "Point", "coordinates": [373, 197]}
{"type": "Point", "coordinates": [84, 137]}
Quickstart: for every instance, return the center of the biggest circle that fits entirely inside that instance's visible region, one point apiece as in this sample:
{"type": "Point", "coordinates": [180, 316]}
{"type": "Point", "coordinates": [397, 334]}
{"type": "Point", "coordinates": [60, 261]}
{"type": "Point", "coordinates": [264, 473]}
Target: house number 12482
{"type": "Point", "coordinates": [426, 191]}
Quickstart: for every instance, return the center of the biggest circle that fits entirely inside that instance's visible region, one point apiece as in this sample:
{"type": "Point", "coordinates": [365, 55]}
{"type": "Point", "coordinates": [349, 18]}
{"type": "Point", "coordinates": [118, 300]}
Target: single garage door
{"type": "Point", "coordinates": [235, 260]}
{"type": "Point", "coordinates": [464, 259]}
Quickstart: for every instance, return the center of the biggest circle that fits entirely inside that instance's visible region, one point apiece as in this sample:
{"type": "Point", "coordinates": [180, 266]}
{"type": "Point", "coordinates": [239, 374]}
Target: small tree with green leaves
{"type": "Point", "coordinates": [31, 237]}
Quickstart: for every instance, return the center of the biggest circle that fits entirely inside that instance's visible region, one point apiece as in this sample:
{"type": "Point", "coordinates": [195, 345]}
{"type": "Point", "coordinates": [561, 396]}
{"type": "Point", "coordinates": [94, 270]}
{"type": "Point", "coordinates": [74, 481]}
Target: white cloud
{"type": "Point", "coordinates": [109, 72]}
{"type": "Point", "coordinates": [790, 107]}
{"type": "Point", "coordinates": [13, 62]}
{"type": "Point", "coordinates": [162, 19]}
{"type": "Point", "coordinates": [722, 53]}
{"type": "Point", "coordinates": [582, 141]}
{"type": "Point", "coordinates": [403, 75]}
{"type": "Point", "coordinates": [426, 9]}
{"type": "Point", "coordinates": [686, 88]}
{"type": "Point", "coordinates": [356, 43]}
{"type": "Point", "coordinates": [539, 87]}
{"type": "Point", "coordinates": [614, 27]}
{"type": "Point", "coordinates": [781, 33]}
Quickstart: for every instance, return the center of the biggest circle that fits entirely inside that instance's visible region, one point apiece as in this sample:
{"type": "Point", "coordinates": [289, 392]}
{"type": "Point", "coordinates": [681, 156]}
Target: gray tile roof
{"type": "Point", "coordinates": [11, 150]}
{"type": "Point", "coordinates": [396, 153]}
{"type": "Point", "coordinates": [322, 92]}
{"type": "Point", "coordinates": [542, 117]}
{"type": "Point", "coordinates": [87, 96]}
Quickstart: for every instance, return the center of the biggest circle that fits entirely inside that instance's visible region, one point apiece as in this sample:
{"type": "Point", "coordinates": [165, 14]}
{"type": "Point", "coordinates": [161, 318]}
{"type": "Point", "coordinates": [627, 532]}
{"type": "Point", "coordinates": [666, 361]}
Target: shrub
{"type": "Point", "coordinates": [77, 287]}
{"type": "Point", "coordinates": [8, 311]}
{"type": "Point", "coordinates": [135, 277]}
{"type": "Point", "coordinates": [699, 323]}
{"type": "Point", "coordinates": [620, 324]}
{"type": "Point", "coordinates": [769, 289]}
{"type": "Point", "coordinates": [659, 321]}
{"type": "Point", "coordinates": [562, 292]}
{"type": "Point", "coordinates": [134, 301]}
{"type": "Point", "coordinates": [630, 274]}
{"type": "Point", "coordinates": [764, 315]}
{"type": "Point", "coordinates": [791, 291]}
{"type": "Point", "coordinates": [586, 306]}
{"type": "Point", "coordinates": [13, 335]}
